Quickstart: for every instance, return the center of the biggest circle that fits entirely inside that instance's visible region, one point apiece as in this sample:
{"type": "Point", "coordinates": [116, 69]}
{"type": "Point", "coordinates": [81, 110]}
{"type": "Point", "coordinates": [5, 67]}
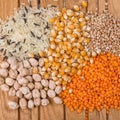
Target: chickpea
{"type": "Point", "coordinates": [12, 60]}
{"type": "Point", "coordinates": [41, 62]}
{"type": "Point", "coordinates": [29, 78]}
{"type": "Point", "coordinates": [20, 66]}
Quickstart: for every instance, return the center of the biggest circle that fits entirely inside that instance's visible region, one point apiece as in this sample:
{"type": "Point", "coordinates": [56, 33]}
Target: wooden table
{"type": "Point", "coordinates": [53, 112]}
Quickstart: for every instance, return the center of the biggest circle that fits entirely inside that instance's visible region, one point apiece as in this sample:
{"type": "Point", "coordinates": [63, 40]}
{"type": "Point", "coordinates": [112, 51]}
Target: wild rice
{"type": "Point", "coordinates": [26, 32]}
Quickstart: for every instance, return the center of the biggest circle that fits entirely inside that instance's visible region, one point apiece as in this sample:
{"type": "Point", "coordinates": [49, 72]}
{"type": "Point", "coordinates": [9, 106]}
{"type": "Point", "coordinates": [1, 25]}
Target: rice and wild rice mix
{"type": "Point", "coordinates": [27, 31]}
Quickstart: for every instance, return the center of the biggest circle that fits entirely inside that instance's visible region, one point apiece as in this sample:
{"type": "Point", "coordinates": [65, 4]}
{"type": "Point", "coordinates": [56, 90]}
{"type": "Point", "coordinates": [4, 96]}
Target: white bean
{"type": "Point", "coordinates": [4, 64]}
{"type": "Point", "coordinates": [22, 81]}
{"type": "Point", "coordinates": [23, 103]}
{"type": "Point", "coordinates": [30, 79]}
{"type": "Point", "coordinates": [30, 104]}
{"type": "Point", "coordinates": [36, 77]}
{"type": "Point", "coordinates": [52, 84]}
{"type": "Point", "coordinates": [57, 100]}
{"type": "Point", "coordinates": [33, 62]}
{"type": "Point", "coordinates": [37, 101]}
{"type": "Point", "coordinates": [13, 73]}
{"type": "Point", "coordinates": [26, 64]}
{"type": "Point", "coordinates": [9, 81]}
{"type": "Point", "coordinates": [20, 66]}
{"type": "Point", "coordinates": [24, 72]}
{"type": "Point", "coordinates": [12, 92]}
{"type": "Point", "coordinates": [38, 85]}
{"type": "Point", "coordinates": [2, 80]}
{"type": "Point", "coordinates": [44, 102]}
{"type": "Point", "coordinates": [41, 62]}
{"type": "Point", "coordinates": [51, 93]}
{"type": "Point", "coordinates": [19, 94]}
{"type": "Point", "coordinates": [13, 105]}
{"type": "Point", "coordinates": [12, 60]}
{"type": "Point", "coordinates": [31, 85]}
{"type": "Point", "coordinates": [58, 89]}
{"type": "Point", "coordinates": [16, 85]}
{"type": "Point", "coordinates": [4, 87]}
{"type": "Point", "coordinates": [43, 93]}
{"type": "Point", "coordinates": [45, 83]}
{"type": "Point", "coordinates": [3, 72]}
{"type": "Point", "coordinates": [24, 90]}
{"type": "Point", "coordinates": [28, 96]}
{"type": "Point", "coordinates": [35, 93]}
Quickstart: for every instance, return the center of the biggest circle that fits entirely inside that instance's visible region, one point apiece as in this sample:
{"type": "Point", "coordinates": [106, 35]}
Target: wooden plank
{"type": "Point", "coordinates": [114, 115]}
{"type": "Point", "coordinates": [35, 113]}
{"type": "Point", "coordinates": [74, 115]}
{"type": "Point", "coordinates": [52, 112]}
{"type": "Point", "coordinates": [25, 114]}
{"type": "Point", "coordinates": [70, 3]}
{"type": "Point", "coordinates": [34, 3]}
{"type": "Point", "coordinates": [58, 3]}
{"type": "Point", "coordinates": [7, 8]}
{"type": "Point", "coordinates": [5, 112]}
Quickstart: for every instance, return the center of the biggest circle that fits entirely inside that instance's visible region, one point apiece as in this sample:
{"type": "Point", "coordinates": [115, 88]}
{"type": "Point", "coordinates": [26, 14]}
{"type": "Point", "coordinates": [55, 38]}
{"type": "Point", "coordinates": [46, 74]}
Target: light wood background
{"type": "Point", "coordinates": [53, 112]}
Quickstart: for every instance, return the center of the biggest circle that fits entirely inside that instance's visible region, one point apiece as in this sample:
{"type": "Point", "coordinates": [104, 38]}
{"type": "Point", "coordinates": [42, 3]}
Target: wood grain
{"type": "Point", "coordinates": [5, 112]}
{"type": "Point", "coordinates": [7, 8]}
{"type": "Point", "coordinates": [52, 112]}
{"type": "Point", "coordinates": [70, 3]}
{"type": "Point", "coordinates": [114, 6]}
{"type": "Point", "coordinates": [34, 3]}
{"type": "Point", "coordinates": [74, 115]}
{"type": "Point", "coordinates": [58, 3]}
{"type": "Point", "coordinates": [35, 113]}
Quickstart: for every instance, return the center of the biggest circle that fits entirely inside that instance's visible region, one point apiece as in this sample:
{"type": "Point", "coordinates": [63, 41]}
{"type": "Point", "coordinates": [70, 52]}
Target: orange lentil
{"type": "Point", "coordinates": [97, 87]}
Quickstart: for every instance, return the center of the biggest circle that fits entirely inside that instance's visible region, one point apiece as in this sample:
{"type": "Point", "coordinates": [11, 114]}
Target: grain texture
{"type": "Point", "coordinates": [33, 3]}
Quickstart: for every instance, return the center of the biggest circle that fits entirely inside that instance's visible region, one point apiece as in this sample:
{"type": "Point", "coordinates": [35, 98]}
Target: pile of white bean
{"type": "Point", "coordinates": [18, 79]}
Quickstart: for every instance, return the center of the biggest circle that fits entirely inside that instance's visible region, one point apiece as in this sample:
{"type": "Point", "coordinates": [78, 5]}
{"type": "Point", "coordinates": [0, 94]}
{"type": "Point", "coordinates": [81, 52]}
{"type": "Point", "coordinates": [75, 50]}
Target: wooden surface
{"type": "Point", "coordinates": [53, 112]}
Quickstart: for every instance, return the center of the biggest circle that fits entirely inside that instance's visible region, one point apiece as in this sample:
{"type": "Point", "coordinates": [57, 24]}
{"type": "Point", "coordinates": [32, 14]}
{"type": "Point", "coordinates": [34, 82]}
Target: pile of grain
{"type": "Point", "coordinates": [26, 32]}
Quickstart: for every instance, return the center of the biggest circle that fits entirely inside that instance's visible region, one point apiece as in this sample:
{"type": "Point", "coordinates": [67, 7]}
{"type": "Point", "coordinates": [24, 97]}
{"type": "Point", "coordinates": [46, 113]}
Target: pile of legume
{"type": "Point", "coordinates": [97, 87]}
{"type": "Point", "coordinates": [23, 80]}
